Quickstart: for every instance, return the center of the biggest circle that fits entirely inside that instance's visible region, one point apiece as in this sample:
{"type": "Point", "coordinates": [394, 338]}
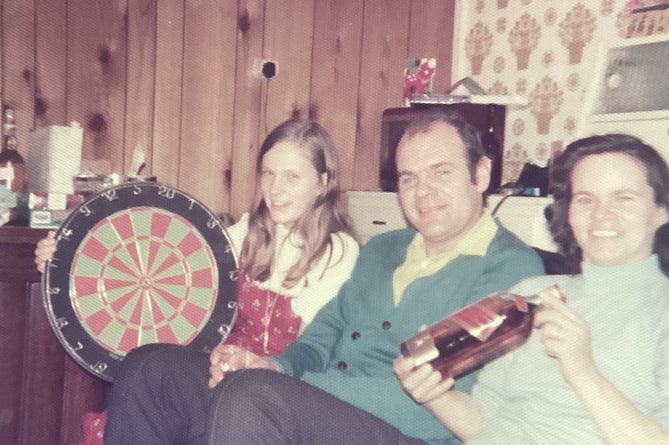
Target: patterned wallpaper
{"type": "Point", "coordinates": [544, 50]}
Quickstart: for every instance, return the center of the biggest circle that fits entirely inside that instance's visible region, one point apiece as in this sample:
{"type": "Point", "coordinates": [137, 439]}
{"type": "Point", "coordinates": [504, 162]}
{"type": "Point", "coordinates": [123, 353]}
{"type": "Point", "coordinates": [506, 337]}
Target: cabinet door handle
{"type": "Point", "coordinates": [379, 223]}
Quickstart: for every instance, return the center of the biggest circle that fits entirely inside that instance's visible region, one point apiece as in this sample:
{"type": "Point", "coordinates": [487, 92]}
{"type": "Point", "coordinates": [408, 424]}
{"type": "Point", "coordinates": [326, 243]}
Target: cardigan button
{"type": "Point", "coordinates": [385, 325]}
{"type": "Point", "coordinates": [355, 335]}
{"type": "Point", "coordinates": [342, 365]}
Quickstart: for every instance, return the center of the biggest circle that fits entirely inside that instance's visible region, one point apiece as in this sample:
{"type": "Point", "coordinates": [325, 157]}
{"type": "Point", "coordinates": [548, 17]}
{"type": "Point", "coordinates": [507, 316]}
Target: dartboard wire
{"type": "Point", "coordinates": [152, 294]}
{"type": "Point", "coordinates": [148, 301]}
{"type": "Point", "coordinates": [147, 297]}
{"type": "Point", "coordinates": [125, 226]}
{"type": "Point", "coordinates": [144, 240]}
{"type": "Point", "coordinates": [94, 239]}
{"type": "Point", "coordinates": [163, 259]}
{"type": "Point", "coordinates": [153, 247]}
{"type": "Point", "coordinates": [137, 250]}
{"type": "Point", "coordinates": [143, 304]}
{"type": "Point", "coordinates": [133, 216]}
{"type": "Point", "coordinates": [109, 317]}
{"type": "Point", "coordinates": [194, 248]}
{"type": "Point", "coordinates": [160, 224]}
{"type": "Point", "coordinates": [177, 224]}
{"type": "Point", "coordinates": [131, 280]}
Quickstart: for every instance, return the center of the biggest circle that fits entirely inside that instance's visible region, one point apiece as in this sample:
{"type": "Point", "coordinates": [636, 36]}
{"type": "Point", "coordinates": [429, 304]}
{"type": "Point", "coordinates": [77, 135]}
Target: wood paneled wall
{"type": "Point", "coordinates": [174, 77]}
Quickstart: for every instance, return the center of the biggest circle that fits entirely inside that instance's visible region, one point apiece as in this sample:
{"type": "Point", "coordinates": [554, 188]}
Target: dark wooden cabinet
{"type": "Point", "coordinates": [43, 392]}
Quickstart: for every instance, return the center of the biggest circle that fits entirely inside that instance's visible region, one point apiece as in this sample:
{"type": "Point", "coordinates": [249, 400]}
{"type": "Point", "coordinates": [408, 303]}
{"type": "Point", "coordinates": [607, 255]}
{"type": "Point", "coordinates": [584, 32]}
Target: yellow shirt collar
{"type": "Point", "coordinates": [417, 264]}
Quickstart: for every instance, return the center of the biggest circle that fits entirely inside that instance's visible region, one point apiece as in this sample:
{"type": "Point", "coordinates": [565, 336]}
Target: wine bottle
{"type": "Point", "coordinates": [9, 156]}
{"type": "Point", "coordinates": [477, 333]}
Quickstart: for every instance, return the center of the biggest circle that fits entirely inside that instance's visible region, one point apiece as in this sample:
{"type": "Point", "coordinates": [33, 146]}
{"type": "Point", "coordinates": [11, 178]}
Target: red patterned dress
{"type": "Point", "coordinates": [265, 322]}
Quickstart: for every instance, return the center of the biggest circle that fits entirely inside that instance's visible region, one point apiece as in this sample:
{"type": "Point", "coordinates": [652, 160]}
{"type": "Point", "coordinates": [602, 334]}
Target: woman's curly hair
{"type": "Point", "coordinates": [560, 184]}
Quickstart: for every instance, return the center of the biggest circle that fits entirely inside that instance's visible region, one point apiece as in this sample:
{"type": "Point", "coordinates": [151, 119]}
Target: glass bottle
{"type": "Point", "coordinates": [9, 156]}
{"type": "Point", "coordinates": [477, 333]}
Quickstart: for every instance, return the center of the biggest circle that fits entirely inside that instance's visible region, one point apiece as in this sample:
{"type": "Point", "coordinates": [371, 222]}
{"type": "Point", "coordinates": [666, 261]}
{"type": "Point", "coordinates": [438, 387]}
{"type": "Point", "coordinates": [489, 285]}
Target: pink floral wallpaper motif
{"type": "Point", "coordinates": [523, 39]}
{"type": "Point", "coordinates": [544, 50]}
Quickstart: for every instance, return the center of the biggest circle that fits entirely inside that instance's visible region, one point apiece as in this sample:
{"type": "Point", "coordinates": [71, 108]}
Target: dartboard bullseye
{"type": "Point", "coordinates": [139, 263]}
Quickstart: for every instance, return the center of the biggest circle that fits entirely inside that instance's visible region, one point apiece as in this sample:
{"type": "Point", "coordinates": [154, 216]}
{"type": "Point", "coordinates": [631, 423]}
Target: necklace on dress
{"type": "Point", "coordinates": [270, 302]}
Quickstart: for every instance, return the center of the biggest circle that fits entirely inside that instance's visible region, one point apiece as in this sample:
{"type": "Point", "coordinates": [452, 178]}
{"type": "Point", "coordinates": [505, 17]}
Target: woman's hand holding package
{"type": "Point", "coordinates": [227, 358]}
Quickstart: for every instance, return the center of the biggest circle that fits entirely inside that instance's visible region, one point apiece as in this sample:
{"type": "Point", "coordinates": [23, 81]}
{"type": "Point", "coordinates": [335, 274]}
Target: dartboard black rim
{"type": "Point", "coordinates": [139, 263]}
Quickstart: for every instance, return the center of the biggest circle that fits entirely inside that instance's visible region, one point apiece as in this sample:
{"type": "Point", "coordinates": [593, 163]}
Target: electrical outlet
{"type": "Point", "coordinates": [264, 68]}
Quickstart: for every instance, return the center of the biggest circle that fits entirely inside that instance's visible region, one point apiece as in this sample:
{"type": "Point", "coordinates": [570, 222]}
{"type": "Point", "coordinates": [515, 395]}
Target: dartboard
{"type": "Point", "coordinates": [135, 264]}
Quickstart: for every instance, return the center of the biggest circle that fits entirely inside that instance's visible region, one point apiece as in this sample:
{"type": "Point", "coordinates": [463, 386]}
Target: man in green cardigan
{"type": "Point", "coordinates": [335, 384]}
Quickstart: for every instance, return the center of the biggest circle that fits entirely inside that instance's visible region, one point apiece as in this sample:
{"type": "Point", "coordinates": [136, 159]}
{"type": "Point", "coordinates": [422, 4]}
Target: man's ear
{"type": "Point", "coordinates": [483, 172]}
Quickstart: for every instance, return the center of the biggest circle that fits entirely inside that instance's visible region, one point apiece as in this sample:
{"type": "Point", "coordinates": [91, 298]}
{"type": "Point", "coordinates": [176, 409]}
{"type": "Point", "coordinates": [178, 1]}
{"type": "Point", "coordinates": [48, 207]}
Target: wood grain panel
{"type": "Point", "coordinates": [227, 79]}
{"type": "Point", "coordinates": [248, 98]}
{"type": "Point", "coordinates": [18, 35]}
{"type": "Point", "coordinates": [288, 41]}
{"type": "Point", "coordinates": [174, 75]}
{"type": "Point", "coordinates": [140, 82]}
{"type": "Point", "coordinates": [82, 393]}
{"type": "Point", "coordinates": [165, 156]}
{"type": "Point", "coordinates": [40, 417]}
{"type": "Point", "coordinates": [384, 50]}
{"type": "Point", "coordinates": [97, 52]}
{"type": "Point", "coordinates": [431, 36]}
{"type": "Point", "coordinates": [334, 78]}
{"type": "Point", "coordinates": [43, 392]}
{"type": "Point", "coordinates": [208, 92]}
{"type": "Point", "coordinates": [11, 350]}
{"type": "Point", "coordinates": [50, 61]}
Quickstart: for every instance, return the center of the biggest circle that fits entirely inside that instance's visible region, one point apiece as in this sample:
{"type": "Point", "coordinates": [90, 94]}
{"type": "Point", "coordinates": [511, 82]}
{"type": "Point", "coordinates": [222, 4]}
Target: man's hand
{"type": "Point", "coordinates": [227, 358]}
{"type": "Point", "coordinates": [453, 409]}
{"type": "Point", "coordinates": [423, 383]}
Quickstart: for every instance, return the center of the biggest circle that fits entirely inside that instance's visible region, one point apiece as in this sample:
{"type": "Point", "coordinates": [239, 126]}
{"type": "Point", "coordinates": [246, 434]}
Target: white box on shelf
{"type": "Point", "coordinates": [47, 218]}
{"type": "Point", "coordinates": [54, 158]}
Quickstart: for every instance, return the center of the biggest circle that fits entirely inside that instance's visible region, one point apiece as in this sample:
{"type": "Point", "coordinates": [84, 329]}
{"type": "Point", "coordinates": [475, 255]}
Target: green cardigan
{"type": "Point", "coordinates": [349, 347]}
